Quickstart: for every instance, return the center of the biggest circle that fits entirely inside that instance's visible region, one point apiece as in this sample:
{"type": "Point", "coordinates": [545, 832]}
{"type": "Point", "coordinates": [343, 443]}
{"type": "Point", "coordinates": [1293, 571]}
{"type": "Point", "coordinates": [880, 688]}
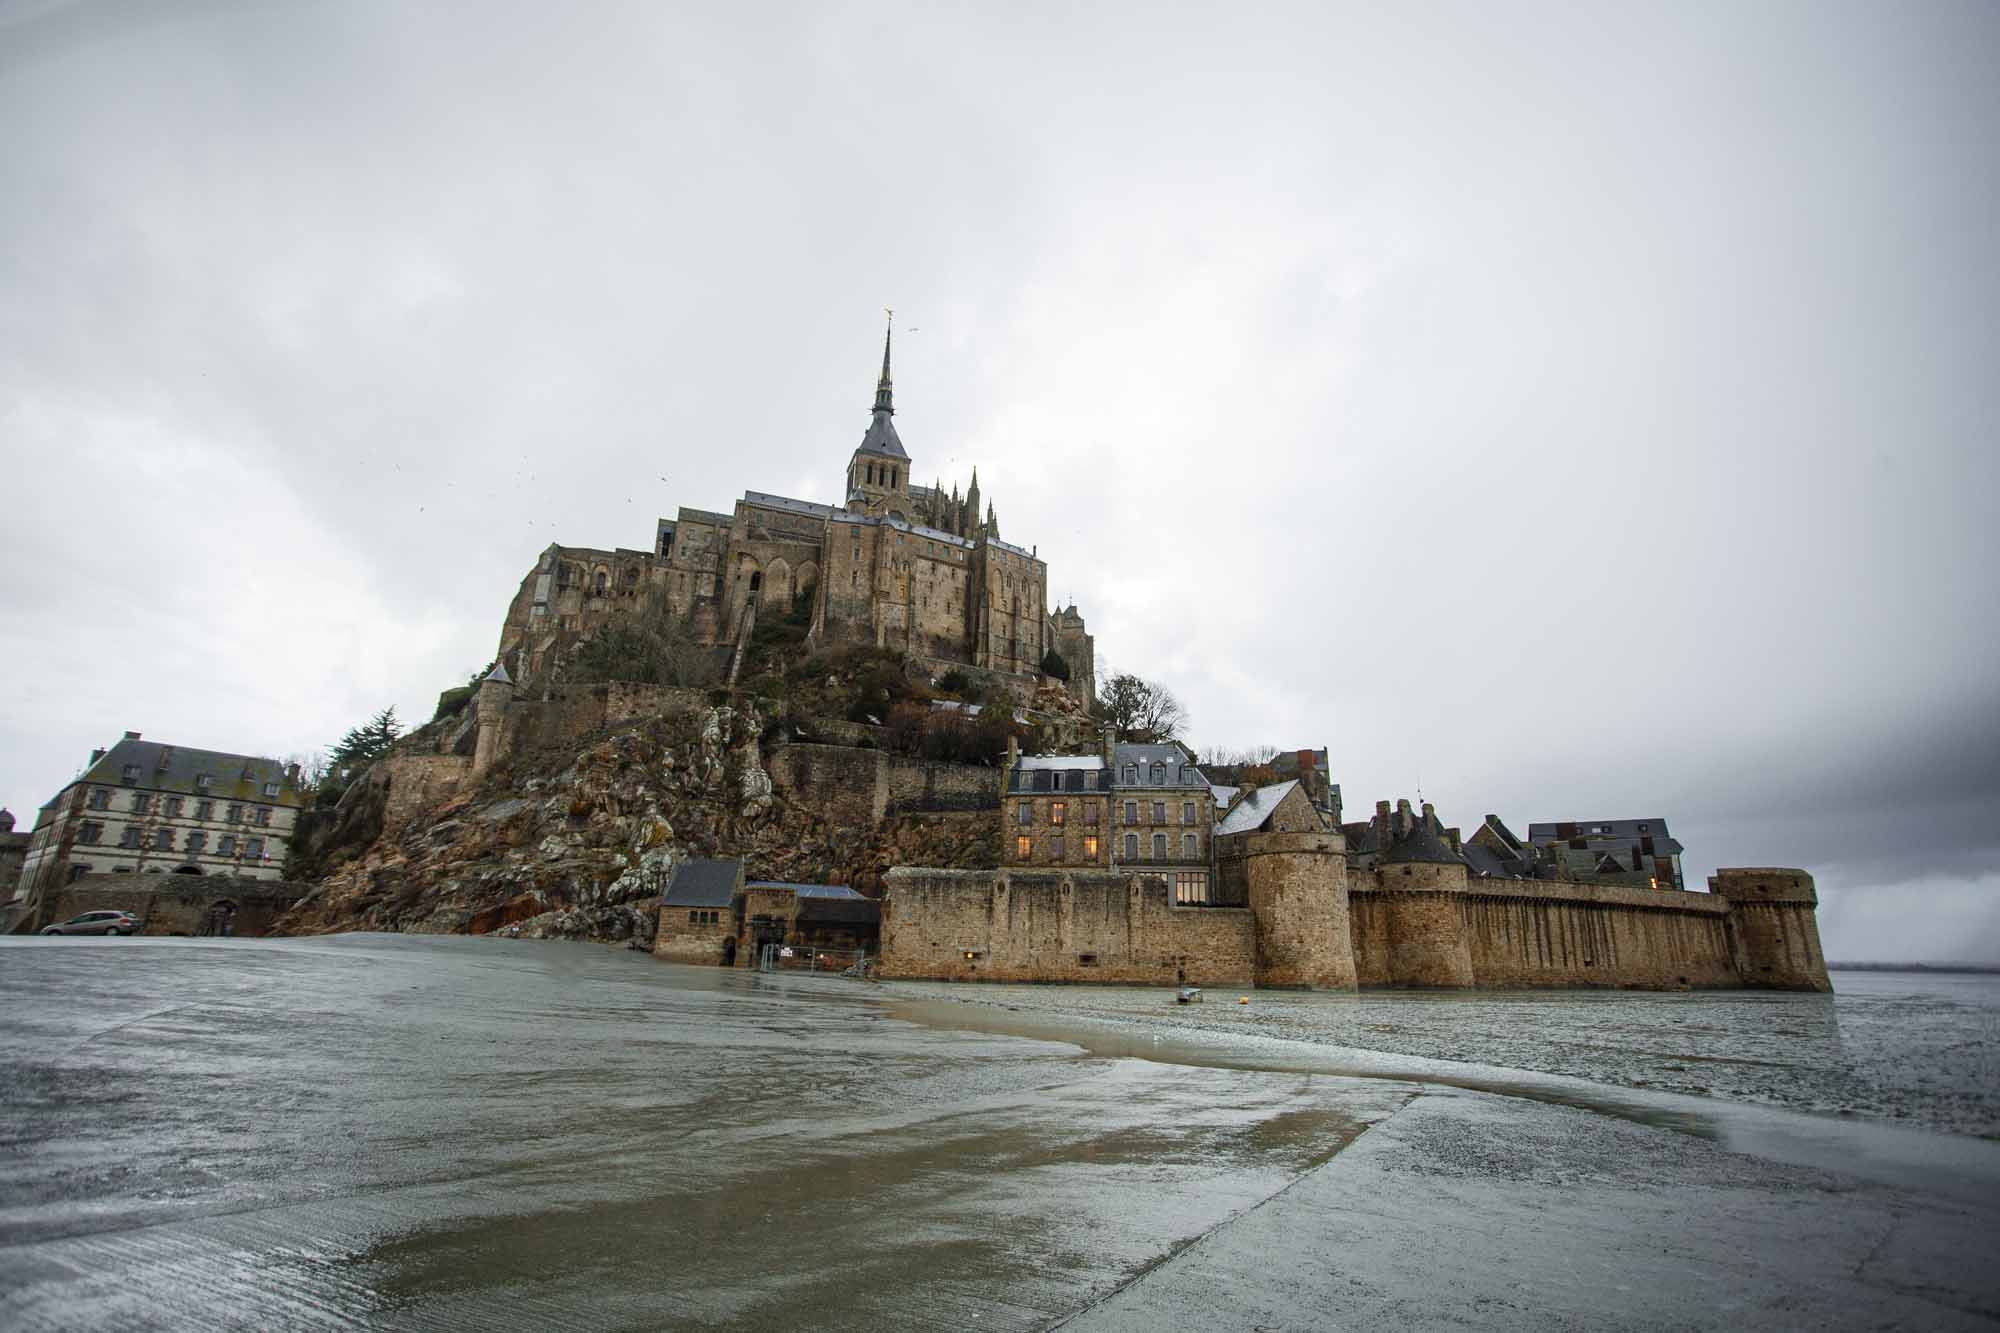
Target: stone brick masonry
{"type": "Point", "coordinates": [1313, 923]}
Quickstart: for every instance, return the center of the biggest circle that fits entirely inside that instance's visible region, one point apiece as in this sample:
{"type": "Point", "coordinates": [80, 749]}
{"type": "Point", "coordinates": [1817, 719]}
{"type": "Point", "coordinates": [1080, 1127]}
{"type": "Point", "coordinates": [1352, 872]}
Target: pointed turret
{"type": "Point", "coordinates": [885, 390]}
{"type": "Point", "coordinates": [992, 523]}
{"type": "Point", "coordinates": [878, 475]}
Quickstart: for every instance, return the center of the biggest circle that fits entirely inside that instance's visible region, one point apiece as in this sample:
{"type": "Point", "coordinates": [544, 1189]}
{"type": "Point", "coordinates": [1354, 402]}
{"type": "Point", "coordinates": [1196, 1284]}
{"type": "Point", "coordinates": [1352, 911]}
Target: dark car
{"type": "Point", "coordinates": [95, 923]}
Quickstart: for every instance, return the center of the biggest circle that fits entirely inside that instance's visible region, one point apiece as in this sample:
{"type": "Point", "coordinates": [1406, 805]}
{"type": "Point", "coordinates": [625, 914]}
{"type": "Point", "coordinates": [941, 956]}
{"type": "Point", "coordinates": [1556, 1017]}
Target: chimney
{"type": "Point", "coordinates": [1405, 821]}
{"type": "Point", "coordinates": [131, 735]}
{"type": "Point", "coordinates": [1108, 744]}
{"type": "Point", "coordinates": [1451, 836]}
{"type": "Point", "coordinates": [292, 774]}
{"type": "Point", "coordinates": [1013, 750]}
{"type": "Point", "coordinates": [96, 755]}
{"type": "Point", "coordinates": [1383, 826]}
{"type": "Point", "coordinates": [1430, 813]}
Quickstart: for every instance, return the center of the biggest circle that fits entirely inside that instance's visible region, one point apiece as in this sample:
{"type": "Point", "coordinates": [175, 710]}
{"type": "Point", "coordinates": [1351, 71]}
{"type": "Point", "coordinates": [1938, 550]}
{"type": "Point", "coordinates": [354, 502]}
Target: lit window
{"type": "Point", "coordinates": [1090, 846]}
{"type": "Point", "coordinates": [1057, 810]}
{"type": "Point", "coordinates": [1024, 847]}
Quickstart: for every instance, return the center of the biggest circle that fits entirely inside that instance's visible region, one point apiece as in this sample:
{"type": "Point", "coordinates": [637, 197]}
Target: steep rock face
{"type": "Point", "coordinates": [581, 845]}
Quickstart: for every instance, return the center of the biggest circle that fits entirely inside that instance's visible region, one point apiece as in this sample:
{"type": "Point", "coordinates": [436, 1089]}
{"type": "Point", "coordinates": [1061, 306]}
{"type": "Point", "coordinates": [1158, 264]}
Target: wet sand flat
{"type": "Point", "coordinates": [452, 1133]}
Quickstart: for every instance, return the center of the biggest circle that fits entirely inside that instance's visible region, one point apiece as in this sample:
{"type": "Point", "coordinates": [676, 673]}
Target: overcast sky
{"type": "Point", "coordinates": [1572, 412]}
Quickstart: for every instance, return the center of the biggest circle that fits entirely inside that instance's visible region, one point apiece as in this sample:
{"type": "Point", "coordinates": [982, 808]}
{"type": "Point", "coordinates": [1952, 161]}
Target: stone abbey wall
{"type": "Point", "coordinates": [1083, 925]}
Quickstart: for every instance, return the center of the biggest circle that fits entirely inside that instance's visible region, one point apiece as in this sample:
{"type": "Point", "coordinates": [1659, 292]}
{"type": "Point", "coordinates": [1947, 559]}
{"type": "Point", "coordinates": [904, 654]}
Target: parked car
{"type": "Point", "coordinates": [96, 923]}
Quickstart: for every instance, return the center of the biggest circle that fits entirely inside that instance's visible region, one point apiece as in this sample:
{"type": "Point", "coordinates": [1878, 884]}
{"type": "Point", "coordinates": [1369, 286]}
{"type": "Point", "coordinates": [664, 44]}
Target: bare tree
{"type": "Point", "coordinates": [1244, 756]}
{"type": "Point", "coordinates": [1141, 710]}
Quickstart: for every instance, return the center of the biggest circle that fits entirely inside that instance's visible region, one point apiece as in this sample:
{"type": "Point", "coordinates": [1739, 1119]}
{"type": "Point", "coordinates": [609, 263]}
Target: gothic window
{"type": "Point", "coordinates": [598, 587]}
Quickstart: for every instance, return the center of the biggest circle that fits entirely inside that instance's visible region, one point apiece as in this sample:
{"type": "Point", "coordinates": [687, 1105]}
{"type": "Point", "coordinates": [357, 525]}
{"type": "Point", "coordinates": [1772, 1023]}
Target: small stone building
{"type": "Point", "coordinates": [711, 915]}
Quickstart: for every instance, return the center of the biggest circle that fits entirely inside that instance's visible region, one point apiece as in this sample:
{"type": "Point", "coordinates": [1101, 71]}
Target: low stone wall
{"type": "Point", "coordinates": [168, 904]}
{"type": "Point", "coordinates": [1089, 926]}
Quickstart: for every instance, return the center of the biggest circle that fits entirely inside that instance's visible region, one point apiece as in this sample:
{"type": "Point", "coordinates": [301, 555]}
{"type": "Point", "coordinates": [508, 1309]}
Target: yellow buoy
{"type": "Point", "coordinates": [1243, 999]}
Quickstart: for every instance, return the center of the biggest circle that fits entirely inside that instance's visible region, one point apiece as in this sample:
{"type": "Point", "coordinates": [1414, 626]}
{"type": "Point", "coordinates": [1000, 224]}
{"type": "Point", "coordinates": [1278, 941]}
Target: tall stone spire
{"type": "Point", "coordinates": [885, 395]}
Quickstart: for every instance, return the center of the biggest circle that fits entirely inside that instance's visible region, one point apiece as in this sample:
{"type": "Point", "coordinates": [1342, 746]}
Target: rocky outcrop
{"type": "Point", "coordinates": [580, 843]}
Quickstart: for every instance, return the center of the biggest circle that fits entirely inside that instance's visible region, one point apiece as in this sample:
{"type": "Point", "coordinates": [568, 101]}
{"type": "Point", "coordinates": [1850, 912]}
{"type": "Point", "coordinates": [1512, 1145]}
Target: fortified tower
{"type": "Point", "coordinates": [1423, 896]}
{"type": "Point", "coordinates": [1773, 932]}
{"type": "Point", "coordinates": [495, 693]}
{"type": "Point", "coordinates": [1298, 894]}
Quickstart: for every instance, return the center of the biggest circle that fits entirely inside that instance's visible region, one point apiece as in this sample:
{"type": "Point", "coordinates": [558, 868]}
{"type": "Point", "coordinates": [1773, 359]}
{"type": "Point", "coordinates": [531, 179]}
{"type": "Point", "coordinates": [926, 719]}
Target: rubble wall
{"type": "Point", "coordinates": [168, 904]}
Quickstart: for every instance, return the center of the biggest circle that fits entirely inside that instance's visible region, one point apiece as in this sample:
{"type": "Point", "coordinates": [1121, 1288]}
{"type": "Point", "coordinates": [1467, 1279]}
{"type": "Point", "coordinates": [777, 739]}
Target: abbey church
{"type": "Point", "coordinates": [896, 565]}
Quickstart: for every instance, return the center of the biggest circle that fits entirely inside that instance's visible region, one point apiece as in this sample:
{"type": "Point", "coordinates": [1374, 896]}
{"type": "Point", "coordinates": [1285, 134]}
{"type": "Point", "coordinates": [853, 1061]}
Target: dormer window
{"type": "Point", "coordinates": [203, 782]}
{"type": "Point", "coordinates": [131, 773]}
{"type": "Point", "coordinates": [1159, 775]}
{"type": "Point", "coordinates": [1131, 775]}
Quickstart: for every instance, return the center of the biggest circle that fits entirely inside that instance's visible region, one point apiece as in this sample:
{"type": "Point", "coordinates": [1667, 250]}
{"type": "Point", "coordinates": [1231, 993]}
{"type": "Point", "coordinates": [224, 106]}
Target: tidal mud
{"type": "Point", "coordinates": [451, 1133]}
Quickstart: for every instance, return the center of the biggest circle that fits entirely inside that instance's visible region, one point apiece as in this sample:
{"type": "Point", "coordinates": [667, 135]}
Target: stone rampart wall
{"type": "Point", "coordinates": [418, 781]}
{"type": "Point", "coordinates": [917, 784]}
{"type": "Point", "coordinates": [168, 904]}
{"type": "Point", "coordinates": [1093, 926]}
{"type": "Point", "coordinates": [864, 786]}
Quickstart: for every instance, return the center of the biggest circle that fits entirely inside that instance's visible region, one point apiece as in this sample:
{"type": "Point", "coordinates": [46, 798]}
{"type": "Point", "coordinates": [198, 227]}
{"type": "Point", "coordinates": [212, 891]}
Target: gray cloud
{"type": "Point", "coordinates": [1572, 417]}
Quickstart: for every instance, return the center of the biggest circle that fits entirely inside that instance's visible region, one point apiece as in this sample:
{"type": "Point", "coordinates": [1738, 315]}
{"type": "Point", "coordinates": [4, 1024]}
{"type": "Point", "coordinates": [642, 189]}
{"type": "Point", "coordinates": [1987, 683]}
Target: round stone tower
{"type": "Point", "coordinates": [1423, 893]}
{"type": "Point", "coordinates": [1298, 893]}
{"type": "Point", "coordinates": [495, 693]}
{"type": "Point", "coordinates": [1773, 927]}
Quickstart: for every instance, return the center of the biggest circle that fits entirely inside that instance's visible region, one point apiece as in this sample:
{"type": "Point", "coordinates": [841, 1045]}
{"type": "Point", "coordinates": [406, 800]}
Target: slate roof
{"type": "Point", "coordinates": [881, 439]}
{"type": "Point", "coordinates": [178, 768]}
{"type": "Point", "coordinates": [1421, 845]}
{"type": "Point", "coordinates": [765, 500]}
{"type": "Point", "coordinates": [1622, 830]}
{"type": "Point", "coordinates": [855, 911]}
{"type": "Point", "coordinates": [805, 890]}
{"type": "Point", "coordinates": [1485, 861]}
{"type": "Point", "coordinates": [1250, 812]}
{"type": "Point", "coordinates": [1146, 755]}
{"type": "Point", "coordinates": [704, 884]}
